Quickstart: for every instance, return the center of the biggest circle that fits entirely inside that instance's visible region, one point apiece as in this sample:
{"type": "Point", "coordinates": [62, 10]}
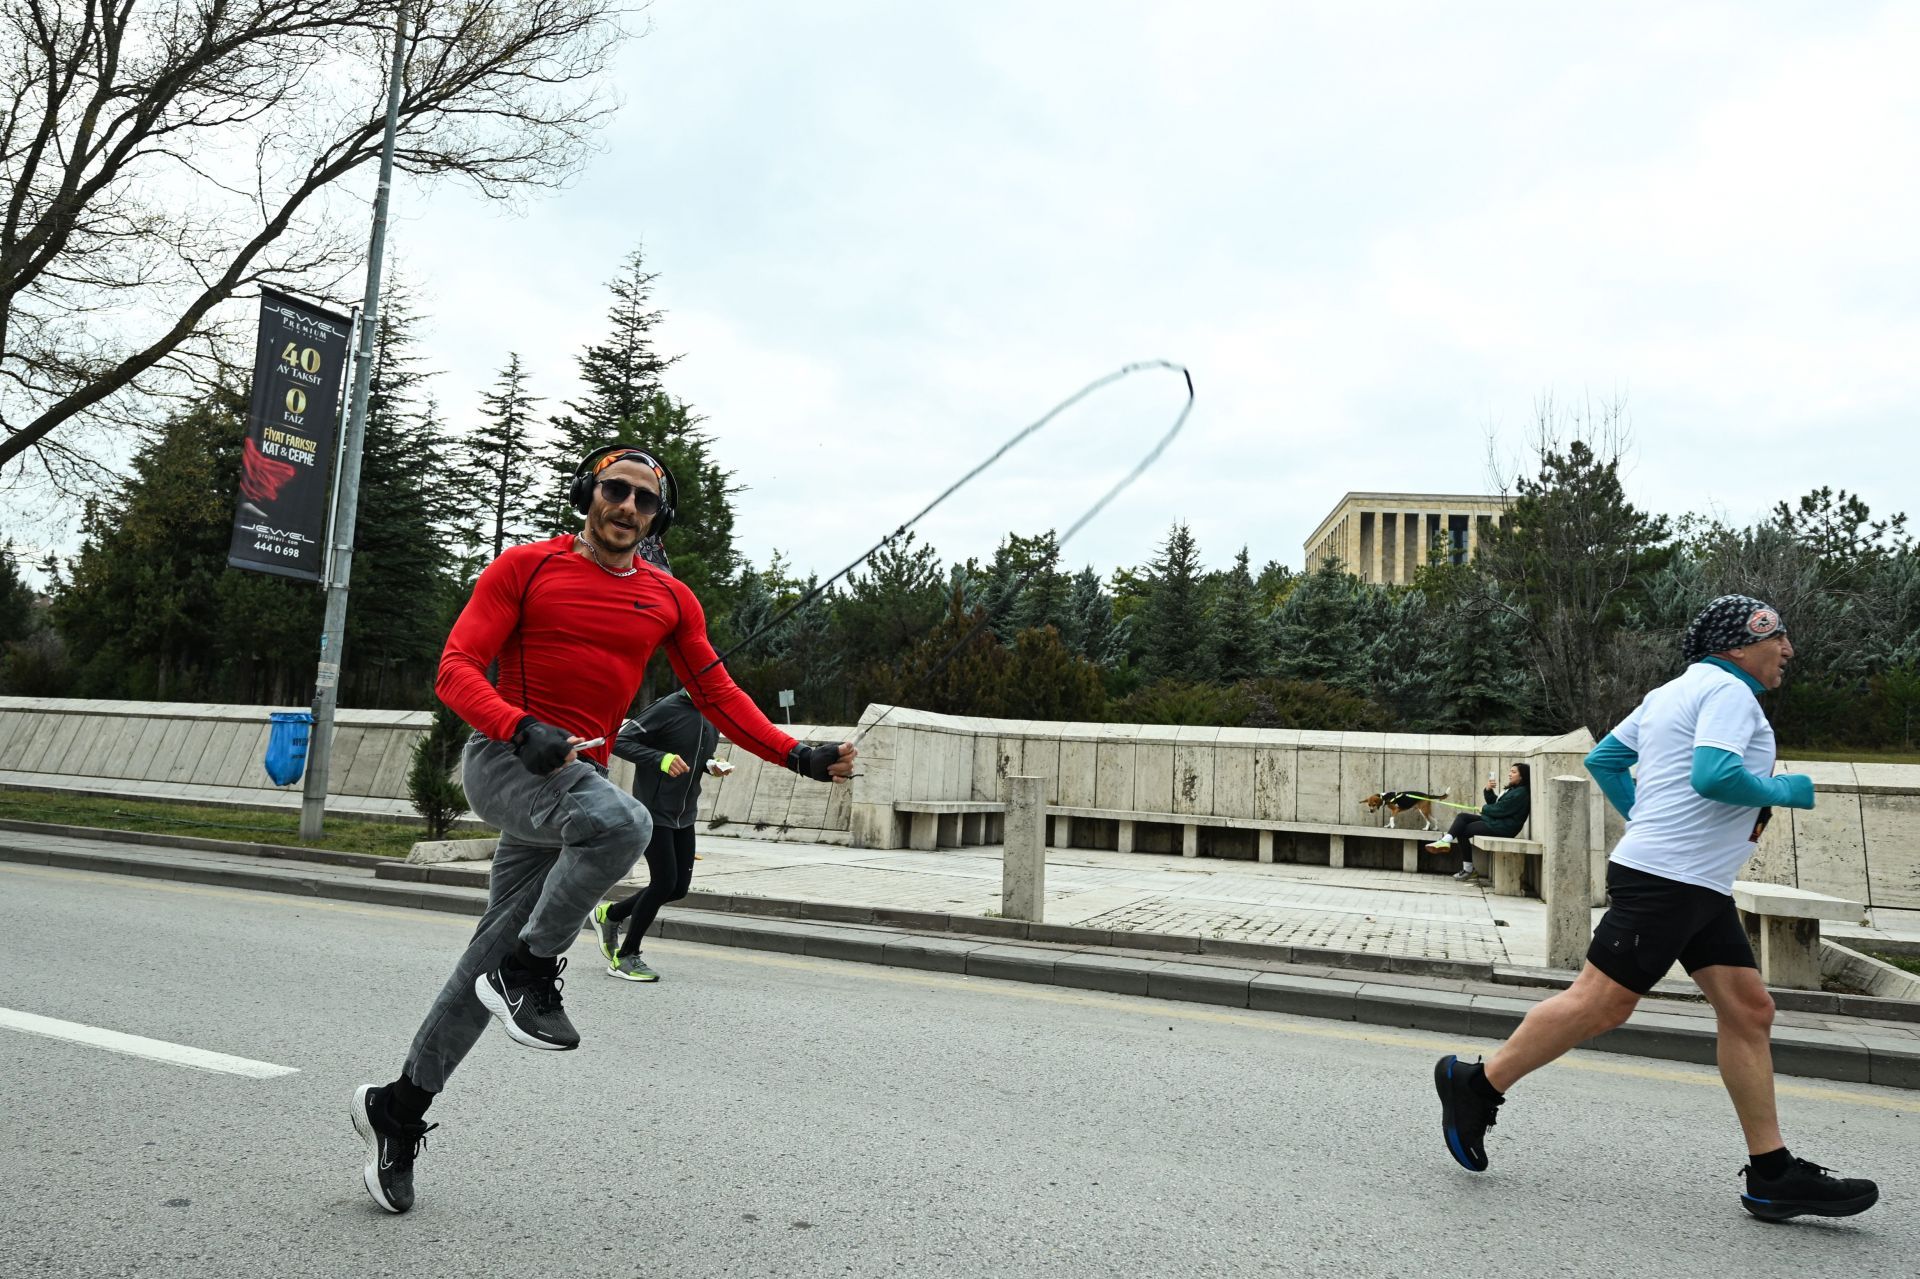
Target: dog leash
{"type": "Point", "coordinates": [1432, 799]}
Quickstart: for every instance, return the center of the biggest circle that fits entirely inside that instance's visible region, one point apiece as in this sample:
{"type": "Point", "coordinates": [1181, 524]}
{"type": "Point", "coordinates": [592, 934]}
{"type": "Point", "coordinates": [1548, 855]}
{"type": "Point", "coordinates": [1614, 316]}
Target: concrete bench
{"type": "Point", "coordinates": [1784, 925]}
{"type": "Point", "coordinates": [949, 823]}
{"type": "Point", "coordinates": [952, 823]}
{"type": "Point", "coordinates": [1509, 861]}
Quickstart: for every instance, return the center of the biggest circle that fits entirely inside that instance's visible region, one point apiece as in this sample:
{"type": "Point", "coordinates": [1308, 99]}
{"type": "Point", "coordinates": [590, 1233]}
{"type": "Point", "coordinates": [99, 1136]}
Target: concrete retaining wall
{"type": "Point", "coordinates": [1861, 842]}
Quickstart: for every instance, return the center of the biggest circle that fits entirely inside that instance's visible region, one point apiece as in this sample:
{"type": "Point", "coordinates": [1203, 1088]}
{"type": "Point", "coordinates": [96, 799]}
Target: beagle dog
{"type": "Point", "coordinates": [1397, 802]}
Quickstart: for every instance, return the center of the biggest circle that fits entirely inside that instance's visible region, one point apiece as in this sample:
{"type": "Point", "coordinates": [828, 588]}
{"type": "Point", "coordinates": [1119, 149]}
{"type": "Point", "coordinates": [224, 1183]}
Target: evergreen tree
{"type": "Point", "coordinates": [1177, 639]}
{"type": "Point", "coordinates": [700, 544]}
{"type": "Point", "coordinates": [622, 379]}
{"type": "Point", "coordinates": [432, 778]}
{"type": "Point", "coordinates": [1023, 585]}
{"type": "Point", "coordinates": [399, 604]}
{"type": "Point", "coordinates": [152, 611]}
{"type": "Point", "coordinates": [19, 616]}
{"type": "Point", "coordinates": [1091, 629]}
{"type": "Point", "coordinates": [1239, 636]}
{"type": "Point", "coordinates": [1569, 562]}
{"type": "Point", "coordinates": [502, 452]}
{"type": "Point", "coordinates": [1316, 637]}
{"type": "Point", "coordinates": [893, 604]}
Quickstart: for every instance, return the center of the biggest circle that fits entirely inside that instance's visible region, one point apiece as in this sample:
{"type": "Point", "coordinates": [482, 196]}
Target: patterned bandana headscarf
{"type": "Point", "coordinates": [1731, 621]}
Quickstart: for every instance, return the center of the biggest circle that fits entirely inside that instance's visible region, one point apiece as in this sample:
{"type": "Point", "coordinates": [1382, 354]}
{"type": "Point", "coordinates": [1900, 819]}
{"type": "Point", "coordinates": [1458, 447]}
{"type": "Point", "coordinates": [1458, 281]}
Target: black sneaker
{"type": "Point", "coordinates": [1806, 1188]}
{"type": "Point", "coordinates": [391, 1148]}
{"type": "Point", "coordinates": [528, 1005]}
{"type": "Point", "coordinates": [1465, 1115]}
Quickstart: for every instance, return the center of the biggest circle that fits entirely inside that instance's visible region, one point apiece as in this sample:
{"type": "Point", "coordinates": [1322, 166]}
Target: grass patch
{"type": "Point", "coordinates": [1852, 756]}
{"type": "Point", "coordinates": [1909, 962]}
{"type": "Point", "coordinates": [249, 826]}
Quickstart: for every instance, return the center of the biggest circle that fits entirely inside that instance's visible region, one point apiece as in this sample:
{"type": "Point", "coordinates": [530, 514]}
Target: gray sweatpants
{"type": "Point", "coordinates": [565, 839]}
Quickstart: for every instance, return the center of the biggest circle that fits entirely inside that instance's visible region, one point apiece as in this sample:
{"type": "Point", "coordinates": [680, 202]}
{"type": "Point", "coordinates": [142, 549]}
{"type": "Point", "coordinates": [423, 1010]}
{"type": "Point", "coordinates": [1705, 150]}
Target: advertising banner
{"type": "Point", "coordinates": [286, 461]}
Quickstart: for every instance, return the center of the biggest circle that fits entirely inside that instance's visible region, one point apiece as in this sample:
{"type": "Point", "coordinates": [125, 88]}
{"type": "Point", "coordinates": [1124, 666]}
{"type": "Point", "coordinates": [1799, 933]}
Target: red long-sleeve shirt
{"type": "Point", "coordinates": [573, 642]}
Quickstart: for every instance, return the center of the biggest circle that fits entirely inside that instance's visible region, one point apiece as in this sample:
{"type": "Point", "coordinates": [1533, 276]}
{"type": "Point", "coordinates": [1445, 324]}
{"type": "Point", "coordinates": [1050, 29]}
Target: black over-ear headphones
{"type": "Point", "coordinates": [580, 490]}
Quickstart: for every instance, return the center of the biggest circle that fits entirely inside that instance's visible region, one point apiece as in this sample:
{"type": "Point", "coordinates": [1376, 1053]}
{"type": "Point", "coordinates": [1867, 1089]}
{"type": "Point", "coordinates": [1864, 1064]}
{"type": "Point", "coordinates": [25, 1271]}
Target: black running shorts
{"type": "Point", "coordinates": [1650, 922]}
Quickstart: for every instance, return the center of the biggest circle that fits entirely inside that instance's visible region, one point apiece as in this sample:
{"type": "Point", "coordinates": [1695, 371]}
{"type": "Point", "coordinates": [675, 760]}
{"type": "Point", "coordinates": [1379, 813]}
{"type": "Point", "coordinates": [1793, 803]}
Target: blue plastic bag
{"type": "Point", "coordinates": [287, 746]}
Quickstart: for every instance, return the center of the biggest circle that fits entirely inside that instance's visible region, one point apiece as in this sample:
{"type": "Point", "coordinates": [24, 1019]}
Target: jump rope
{"type": "Point", "coordinates": [1033, 428]}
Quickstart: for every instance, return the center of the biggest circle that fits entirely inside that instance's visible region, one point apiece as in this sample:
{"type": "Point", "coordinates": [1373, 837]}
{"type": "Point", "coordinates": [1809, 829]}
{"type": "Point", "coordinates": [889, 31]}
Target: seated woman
{"type": "Point", "coordinates": [1502, 815]}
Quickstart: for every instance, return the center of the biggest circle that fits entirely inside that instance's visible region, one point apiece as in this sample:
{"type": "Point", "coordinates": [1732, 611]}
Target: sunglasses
{"type": "Point", "coordinates": [645, 500]}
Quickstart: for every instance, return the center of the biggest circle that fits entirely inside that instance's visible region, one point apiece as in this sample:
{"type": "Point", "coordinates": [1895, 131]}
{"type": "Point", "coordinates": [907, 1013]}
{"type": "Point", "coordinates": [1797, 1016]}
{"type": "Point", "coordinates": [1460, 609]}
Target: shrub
{"type": "Point", "coordinates": [436, 796]}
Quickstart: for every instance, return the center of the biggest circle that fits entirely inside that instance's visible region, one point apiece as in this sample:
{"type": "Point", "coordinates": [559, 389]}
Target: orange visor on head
{"type": "Point", "coordinates": [622, 456]}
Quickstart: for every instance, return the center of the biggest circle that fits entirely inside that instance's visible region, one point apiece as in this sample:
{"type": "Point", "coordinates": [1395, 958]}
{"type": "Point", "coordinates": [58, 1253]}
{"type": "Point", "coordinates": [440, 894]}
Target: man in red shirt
{"type": "Point", "coordinates": [572, 623]}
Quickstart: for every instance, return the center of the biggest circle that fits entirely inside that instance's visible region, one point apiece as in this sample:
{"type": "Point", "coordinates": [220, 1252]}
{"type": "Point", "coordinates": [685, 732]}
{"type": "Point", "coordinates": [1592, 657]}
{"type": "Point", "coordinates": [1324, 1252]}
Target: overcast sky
{"type": "Point", "coordinates": [889, 235]}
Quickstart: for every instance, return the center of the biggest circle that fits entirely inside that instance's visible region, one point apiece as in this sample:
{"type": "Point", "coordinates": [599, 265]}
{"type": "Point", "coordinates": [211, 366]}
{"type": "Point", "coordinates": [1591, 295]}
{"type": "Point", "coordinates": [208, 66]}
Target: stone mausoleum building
{"type": "Point", "coordinates": [1384, 537]}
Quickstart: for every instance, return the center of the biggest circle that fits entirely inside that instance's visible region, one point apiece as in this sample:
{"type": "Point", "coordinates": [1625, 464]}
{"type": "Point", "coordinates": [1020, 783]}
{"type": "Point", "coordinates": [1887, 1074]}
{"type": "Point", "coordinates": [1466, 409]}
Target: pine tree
{"type": "Point", "coordinates": [1239, 638]}
{"type": "Point", "coordinates": [1315, 633]}
{"type": "Point", "coordinates": [622, 379]}
{"type": "Point", "coordinates": [502, 451]}
{"type": "Point", "coordinates": [151, 609]}
{"type": "Point", "coordinates": [893, 604]}
{"type": "Point", "coordinates": [432, 784]}
{"type": "Point", "coordinates": [700, 543]}
{"type": "Point", "coordinates": [1091, 629]}
{"type": "Point", "coordinates": [397, 609]}
{"type": "Point", "coordinates": [1178, 640]}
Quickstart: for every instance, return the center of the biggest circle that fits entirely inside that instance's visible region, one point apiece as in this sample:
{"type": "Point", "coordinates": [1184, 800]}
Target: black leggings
{"type": "Point", "coordinates": [670, 865]}
{"type": "Point", "coordinates": [1464, 828]}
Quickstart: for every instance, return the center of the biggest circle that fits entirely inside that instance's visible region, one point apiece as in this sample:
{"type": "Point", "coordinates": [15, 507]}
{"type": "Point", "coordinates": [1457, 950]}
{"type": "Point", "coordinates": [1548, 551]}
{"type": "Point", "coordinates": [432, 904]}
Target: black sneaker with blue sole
{"type": "Point", "coordinates": [1806, 1190]}
{"type": "Point", "coordinates": [1465, 1115]}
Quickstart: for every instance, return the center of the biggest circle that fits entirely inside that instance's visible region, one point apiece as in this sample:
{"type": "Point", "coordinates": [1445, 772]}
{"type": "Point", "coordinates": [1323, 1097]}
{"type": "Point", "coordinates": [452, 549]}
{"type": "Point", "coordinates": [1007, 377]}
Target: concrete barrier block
{"type": "Point", "coordinates": [1110, 973]}
{"type": "Point", "coordinates": [1040, 757]}
{"type": "Point", "coordinates": [1317, 787]}
{"type": "Point", "coordinates": [1829, 846]}
{"type": "Point", "coordinates": [1415, 1007]}
{"type": "Point", "coordinates": [1888, 824]}
{"type": "Point", "coordinates": [1497, 1016]}
{"type": "Point", "coordinates": [771, 795]}
{"type": "Point", "coordinates": [1153, 777]}
{"type": "Point", "coordinates": [1892, 1062]}
{"type": "Point", "coordinates": [931, 954]}
{"type": "Point", "coordinates": [1821, 1054]}
{"type": "Point", "coordinates": [436, 851]}
{"type": "Point", "coordinates": [1232, 781]}
{"type": "Point", "coordinates": [1362, 773]}
{"type": "Point", "coordinates": [1200, 984]}
{"type": "Point", "coordinates": [1274, 771]}
{"type": "Point", "coordinates": [1114, 774]}
{"type": "Point", "coordinates": [1302, 996]}
{"type": "Point", "coordinates": [1079, 772]}
{"type": "Point", "coordinates": [1193, 778]}
{"type": "Point", "coordinates": [1011, 963]}
{"type": "Point", "coordinates": [1669, 1035]}
{"type": "Point", "coordinates": [166, 748]}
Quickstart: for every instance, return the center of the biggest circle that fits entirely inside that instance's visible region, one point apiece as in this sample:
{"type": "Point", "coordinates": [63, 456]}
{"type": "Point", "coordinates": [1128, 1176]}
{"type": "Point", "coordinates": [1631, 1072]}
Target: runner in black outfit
{"type": "Point", "coordinates": [671, 748]}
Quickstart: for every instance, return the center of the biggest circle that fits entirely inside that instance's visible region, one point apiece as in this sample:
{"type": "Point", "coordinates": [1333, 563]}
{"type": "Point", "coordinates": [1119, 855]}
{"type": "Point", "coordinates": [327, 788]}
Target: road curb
{"type": "Point", "coordinates": [1803, 1052]}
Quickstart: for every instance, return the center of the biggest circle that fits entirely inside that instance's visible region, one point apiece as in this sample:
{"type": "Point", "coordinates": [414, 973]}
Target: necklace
{"type": "Point", "coordinates": [594, 552]}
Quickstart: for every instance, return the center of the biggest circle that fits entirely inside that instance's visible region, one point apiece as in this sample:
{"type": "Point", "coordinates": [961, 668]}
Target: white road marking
{"type": "Point", "coordinates": [140, 1046]}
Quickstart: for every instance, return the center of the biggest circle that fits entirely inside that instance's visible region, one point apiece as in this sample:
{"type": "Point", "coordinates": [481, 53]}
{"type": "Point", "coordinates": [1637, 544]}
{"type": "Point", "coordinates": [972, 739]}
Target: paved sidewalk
{"type": "Point", "coordinates": [1427, 916]}
{"type": "Point", "coordinates": [1378, 911]}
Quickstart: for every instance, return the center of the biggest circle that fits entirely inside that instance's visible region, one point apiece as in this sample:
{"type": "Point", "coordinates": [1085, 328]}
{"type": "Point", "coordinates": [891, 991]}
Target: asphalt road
{"type": "Point", "coordinates": [757, 1114]}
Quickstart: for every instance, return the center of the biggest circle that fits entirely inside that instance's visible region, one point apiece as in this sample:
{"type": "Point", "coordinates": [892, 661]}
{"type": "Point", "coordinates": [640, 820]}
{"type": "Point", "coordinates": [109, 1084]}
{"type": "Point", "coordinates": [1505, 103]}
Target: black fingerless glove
{"type": "Point", "coordinates": [541, 747]}
{"type": "Point", "coordinates": [813, 761]}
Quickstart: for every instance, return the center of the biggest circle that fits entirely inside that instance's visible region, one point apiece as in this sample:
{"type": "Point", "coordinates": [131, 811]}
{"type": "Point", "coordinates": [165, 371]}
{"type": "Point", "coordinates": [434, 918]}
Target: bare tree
{"type": "Point", "coordinates": [158, 158]}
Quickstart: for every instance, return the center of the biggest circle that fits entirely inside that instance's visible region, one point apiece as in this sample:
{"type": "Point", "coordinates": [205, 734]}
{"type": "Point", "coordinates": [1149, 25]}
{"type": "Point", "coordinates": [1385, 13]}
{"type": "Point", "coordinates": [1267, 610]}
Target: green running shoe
{"type": "Point", "coordinates": [608, 931]}
{"type": "Point", "coordinates": [632, 968]}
